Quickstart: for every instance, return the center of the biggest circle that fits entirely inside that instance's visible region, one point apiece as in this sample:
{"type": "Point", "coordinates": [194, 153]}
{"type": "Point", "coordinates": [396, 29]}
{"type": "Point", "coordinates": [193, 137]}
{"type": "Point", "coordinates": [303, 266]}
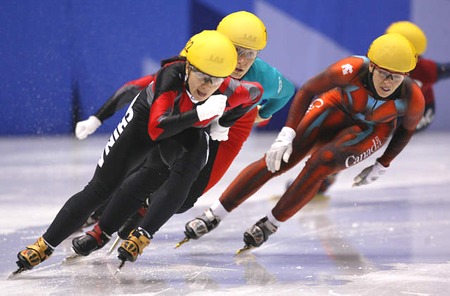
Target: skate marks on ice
{"type": "Point", "coordinates": [202, 268]}
{"type": "Point", "coordinates": [389, 238]}
{"type": "Point", "coordinates": [95, 274]}
{"type": "Point", "coordinates": [329, 248]}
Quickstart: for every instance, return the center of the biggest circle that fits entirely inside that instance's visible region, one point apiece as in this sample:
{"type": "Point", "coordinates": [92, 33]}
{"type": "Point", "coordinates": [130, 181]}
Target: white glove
{"type": "Point", "coordinates": [281, 148]}
{"type": "Point", "coordinates": [213, 106]}
{"type": "Point", "coordinates": [218, 132]}
{"type": "Point", "coordinates": [86, 127]}
{"type": "Point", "coordinates": [369, 174]}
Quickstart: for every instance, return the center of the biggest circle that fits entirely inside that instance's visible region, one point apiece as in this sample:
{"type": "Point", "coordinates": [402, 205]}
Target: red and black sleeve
{"type": "Point", "coordinates": [122, 97]}
{"type": "Point", "coordinates": [171, 110]}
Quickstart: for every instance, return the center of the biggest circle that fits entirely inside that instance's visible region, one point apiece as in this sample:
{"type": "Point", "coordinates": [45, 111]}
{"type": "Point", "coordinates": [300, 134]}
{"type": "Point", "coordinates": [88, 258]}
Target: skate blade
{"type": "Point", "coordinates": [243, 250]}
{"type": "Point", "coordinates": [320, 197]}
{"type": "Point", "coordinates": [72, 258]}
{"type": "Point", "coordinates": [114, 246]}
{"type": "Point", "coordinates": [275, 197]}
{"type": "Point", "coordinates": [184, 240]}
{"type": "Point", "coordinates": [120, 267]}
{"type": "Point", "coordinates": [16, 273]}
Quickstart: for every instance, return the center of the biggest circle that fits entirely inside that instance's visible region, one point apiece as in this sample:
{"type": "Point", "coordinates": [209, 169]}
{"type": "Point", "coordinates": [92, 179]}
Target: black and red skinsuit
{"type": "Point", "coordinates": [161, 124]}
{"type": "Point", "coordinates": [277, 92]}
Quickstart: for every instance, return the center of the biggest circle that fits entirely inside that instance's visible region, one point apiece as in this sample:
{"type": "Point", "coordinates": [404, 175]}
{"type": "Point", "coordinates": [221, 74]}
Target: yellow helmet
{"type": "Point", "coordinates": [244, 29]}
{"type": "Point", "coordinates": [212, 53]}
{"type": "Point", "coordinates": [393, 52]}
{"type": "Point", "coordinates": [412, 32]}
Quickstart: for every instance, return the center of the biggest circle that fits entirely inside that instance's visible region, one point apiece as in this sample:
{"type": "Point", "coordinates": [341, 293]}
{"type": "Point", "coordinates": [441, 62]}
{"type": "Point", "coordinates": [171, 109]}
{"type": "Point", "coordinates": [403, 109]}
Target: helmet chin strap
{"type": "Point", "coordinates": [191, 97]}
{"type": "Point", "coordinates": [371, 86]}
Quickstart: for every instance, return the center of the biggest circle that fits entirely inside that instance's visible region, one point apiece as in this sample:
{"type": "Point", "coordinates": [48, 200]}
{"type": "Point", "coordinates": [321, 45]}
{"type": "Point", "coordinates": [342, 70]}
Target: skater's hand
{"type": "Point", "coordinates": [218, 132]}
{"type": "Point", "coordinates": [87, 127]}
{"type": "Point", "coordinates": [213, 106]}
{"type": "Point", "coordinates": [280, 149]}
{"type": "Point", "coordinates": [369, 174]}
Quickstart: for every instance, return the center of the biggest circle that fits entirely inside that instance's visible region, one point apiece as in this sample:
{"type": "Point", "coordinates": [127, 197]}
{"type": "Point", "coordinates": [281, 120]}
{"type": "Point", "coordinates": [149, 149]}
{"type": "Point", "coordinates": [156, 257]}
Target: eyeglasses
{"type": "Point", "coordinates": [205, 77]}
{"type": "Point", "coordinates": [384, 74]}
{"type": "Point", "coordinates": [248, 54]}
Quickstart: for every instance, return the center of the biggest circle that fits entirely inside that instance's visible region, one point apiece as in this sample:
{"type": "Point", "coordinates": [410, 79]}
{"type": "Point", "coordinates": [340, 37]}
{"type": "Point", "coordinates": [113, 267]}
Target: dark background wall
{"type": "Point", "coordinates": [61, 59]}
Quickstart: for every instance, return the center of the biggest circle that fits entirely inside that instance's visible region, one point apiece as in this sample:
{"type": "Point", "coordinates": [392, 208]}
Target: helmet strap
{"type": "Point", "coordinates": [186, 78]}
{"type": "Point", "coordinates": [368, 83]}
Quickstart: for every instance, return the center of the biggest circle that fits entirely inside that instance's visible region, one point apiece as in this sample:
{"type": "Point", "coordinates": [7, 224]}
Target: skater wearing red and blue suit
{"type": "Point", "coordinates": [339, 118]}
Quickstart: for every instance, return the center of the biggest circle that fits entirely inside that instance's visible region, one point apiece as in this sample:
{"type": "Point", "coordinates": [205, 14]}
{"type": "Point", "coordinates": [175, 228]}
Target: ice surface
{"type": "Point", "coordinates": [391, 237]}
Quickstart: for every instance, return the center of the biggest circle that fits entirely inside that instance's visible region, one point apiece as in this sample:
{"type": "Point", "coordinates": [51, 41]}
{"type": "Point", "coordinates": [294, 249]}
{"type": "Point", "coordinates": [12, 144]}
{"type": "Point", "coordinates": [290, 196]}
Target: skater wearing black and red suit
{"type": "Point", "coordinates": [226, 143]}
{"type": "Point", "coordinates": [168, 122]}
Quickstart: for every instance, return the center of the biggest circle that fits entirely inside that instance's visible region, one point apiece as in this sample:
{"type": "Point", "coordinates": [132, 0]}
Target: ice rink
{"type": "Point", "coordinates": [391, 237]}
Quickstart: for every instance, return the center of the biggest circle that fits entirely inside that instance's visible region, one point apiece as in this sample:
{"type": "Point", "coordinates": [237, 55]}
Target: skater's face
{"type": "Point", "coordinates": [201, 85]}
{"type": "Point", "coordinates": [384, 81]}
{"type": "Point", "coordinates": [246, 57]}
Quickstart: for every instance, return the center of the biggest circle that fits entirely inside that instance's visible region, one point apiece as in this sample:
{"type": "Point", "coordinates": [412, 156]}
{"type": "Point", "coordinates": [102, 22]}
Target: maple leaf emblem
{"type": "Point", "coordinates": [347, 69]}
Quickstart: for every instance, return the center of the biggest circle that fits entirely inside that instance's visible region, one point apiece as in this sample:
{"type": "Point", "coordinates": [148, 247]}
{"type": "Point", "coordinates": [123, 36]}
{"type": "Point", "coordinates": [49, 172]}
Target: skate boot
{"type": "Point", "coordinates": [131, 223]}
{"type": "Point", "coordinates": [91, 241]}
{"type": "Point", "coordinates": [201, 225]}
{"type": "Point", "coordinates": [259, 233]}
{"type": "Point", "coordinates": [34, 254]}
{"type": "Point", "coordinates": [133, 246]}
